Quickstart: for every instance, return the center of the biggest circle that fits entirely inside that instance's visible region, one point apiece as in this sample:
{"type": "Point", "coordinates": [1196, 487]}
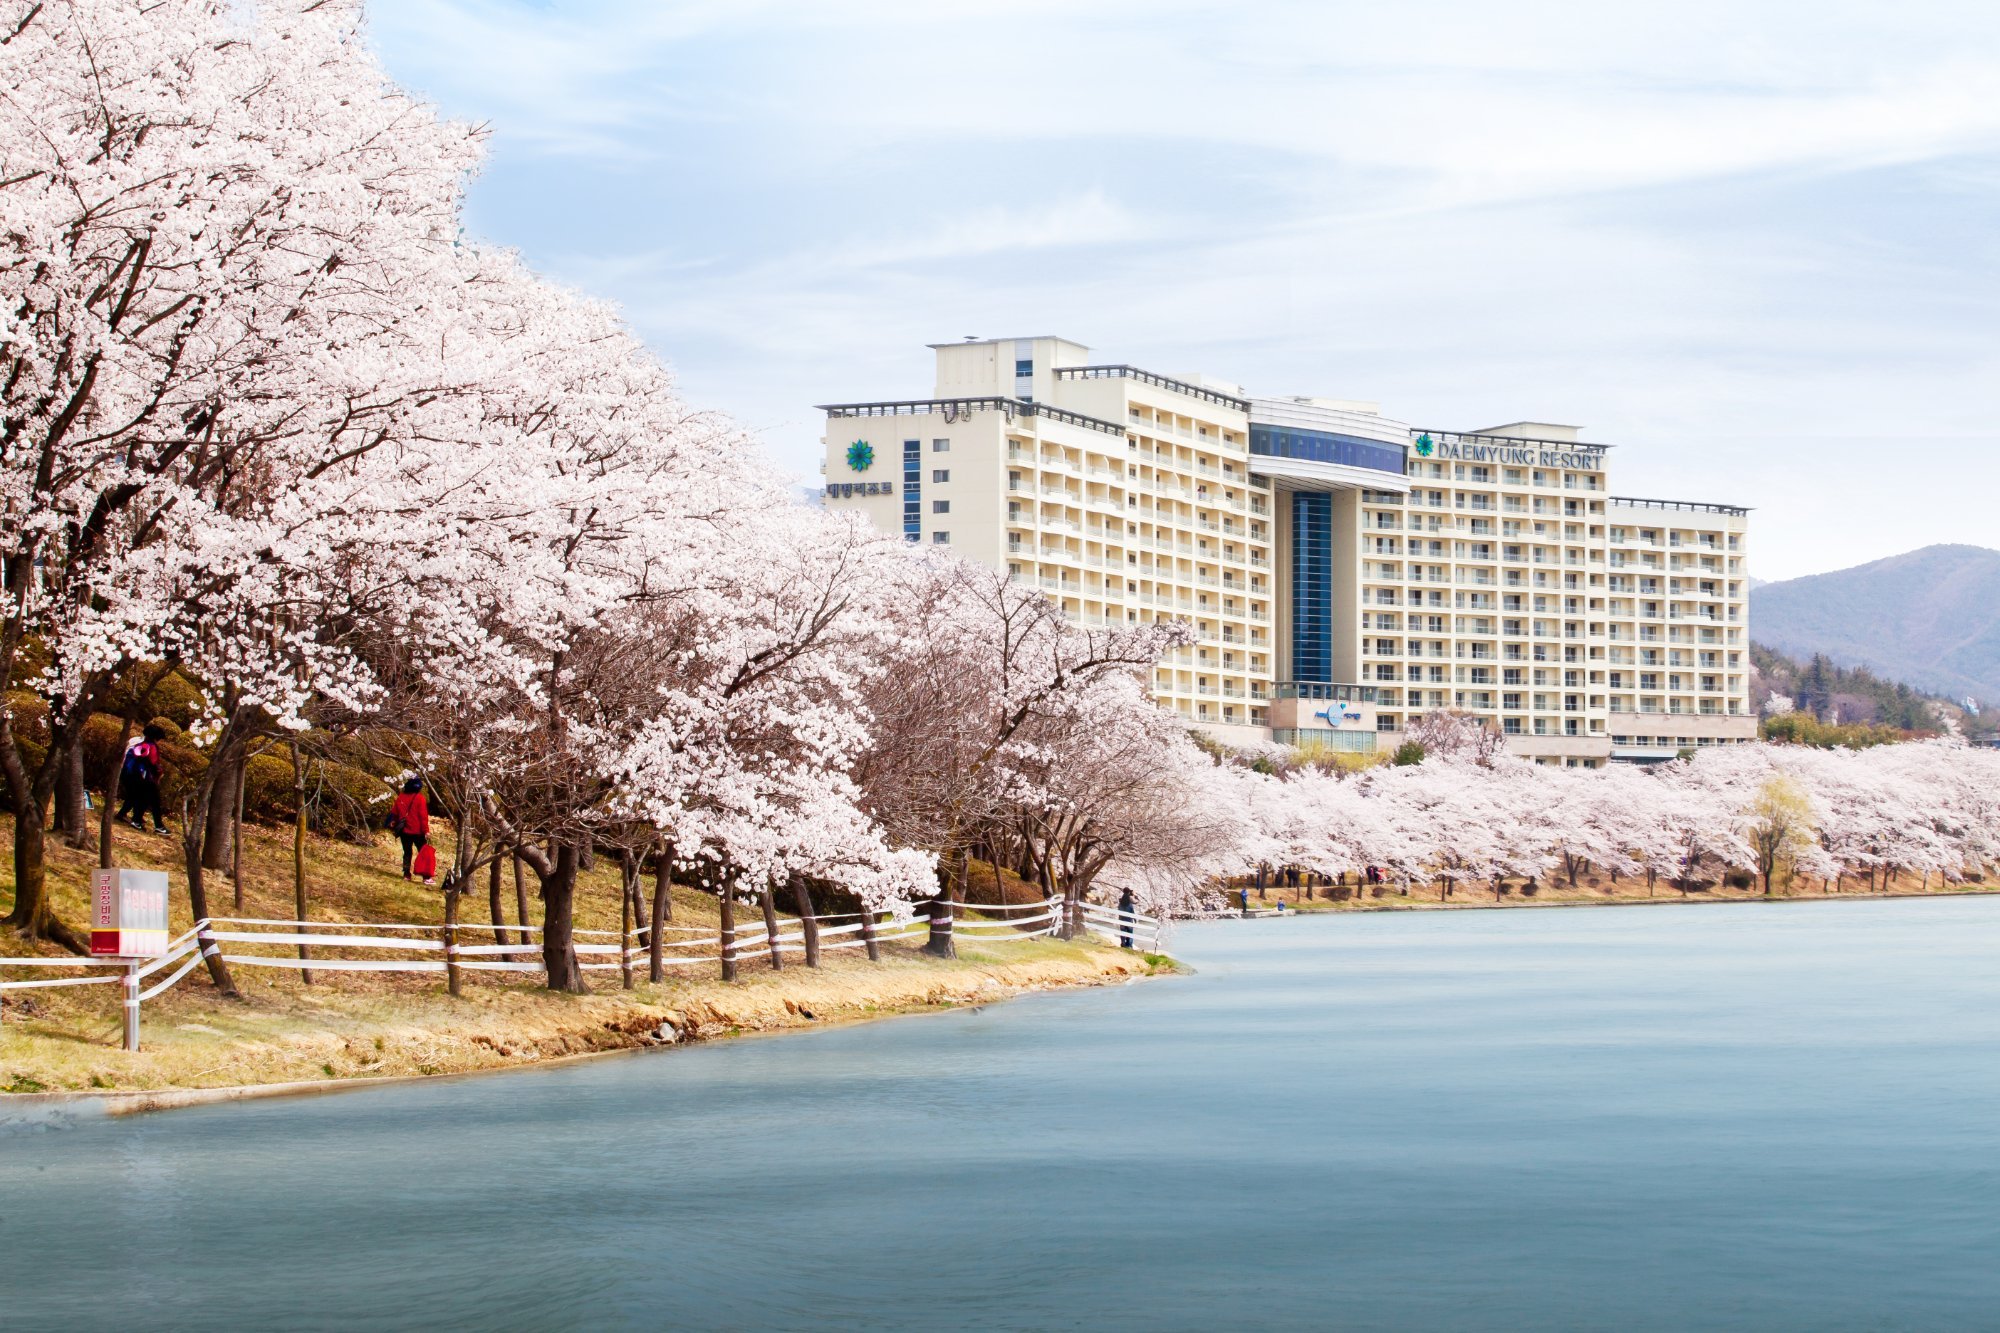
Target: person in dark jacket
{"type": "Point", "coordinates": [410, 820]}
{"type": "Point", "coordinates": [139, 781]}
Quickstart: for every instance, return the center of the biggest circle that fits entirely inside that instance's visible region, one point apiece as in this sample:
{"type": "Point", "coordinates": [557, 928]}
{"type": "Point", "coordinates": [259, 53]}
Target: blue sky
{"type": "Point", "coordinates": [1754, 245]}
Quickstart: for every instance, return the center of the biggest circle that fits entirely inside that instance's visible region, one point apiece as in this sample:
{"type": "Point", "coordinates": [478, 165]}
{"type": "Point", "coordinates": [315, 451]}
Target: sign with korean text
{"type": "Point", "coordinates": [128, 913]}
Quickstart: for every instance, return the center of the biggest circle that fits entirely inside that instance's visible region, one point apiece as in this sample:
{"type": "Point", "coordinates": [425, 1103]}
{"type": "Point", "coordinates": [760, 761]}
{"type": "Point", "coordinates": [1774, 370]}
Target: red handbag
{"type": "Point", "coordinates": [426, 864]}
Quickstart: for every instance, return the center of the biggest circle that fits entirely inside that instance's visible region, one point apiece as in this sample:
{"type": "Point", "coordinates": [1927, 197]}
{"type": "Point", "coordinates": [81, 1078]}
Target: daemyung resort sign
{"type": "Point", "coordinates": [1477, 449]}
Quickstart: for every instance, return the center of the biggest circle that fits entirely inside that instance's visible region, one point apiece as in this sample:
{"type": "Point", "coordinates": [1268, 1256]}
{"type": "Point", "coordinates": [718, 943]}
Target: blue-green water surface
{"type": "Point", "coordinates": [1745, 1117]}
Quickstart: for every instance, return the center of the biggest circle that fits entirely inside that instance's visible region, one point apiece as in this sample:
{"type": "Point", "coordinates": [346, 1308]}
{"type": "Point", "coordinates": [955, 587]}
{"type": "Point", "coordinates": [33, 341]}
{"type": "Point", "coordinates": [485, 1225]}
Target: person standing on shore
{"type": "Point", "coordinates": [410, 820]}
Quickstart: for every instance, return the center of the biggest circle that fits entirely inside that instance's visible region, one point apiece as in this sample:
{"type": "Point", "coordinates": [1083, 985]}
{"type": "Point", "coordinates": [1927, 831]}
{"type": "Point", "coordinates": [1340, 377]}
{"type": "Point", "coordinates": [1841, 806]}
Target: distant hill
{"type": "Point", "coordinates": [1930, 618]}
{"type": "Point", "coordinates": [1846, 697]}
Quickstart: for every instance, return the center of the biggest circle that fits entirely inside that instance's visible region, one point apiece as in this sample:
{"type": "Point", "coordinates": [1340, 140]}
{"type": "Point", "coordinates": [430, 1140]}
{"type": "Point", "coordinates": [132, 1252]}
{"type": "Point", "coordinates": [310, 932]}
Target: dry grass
{"type": "Point", "coordinates": [361, 1025]}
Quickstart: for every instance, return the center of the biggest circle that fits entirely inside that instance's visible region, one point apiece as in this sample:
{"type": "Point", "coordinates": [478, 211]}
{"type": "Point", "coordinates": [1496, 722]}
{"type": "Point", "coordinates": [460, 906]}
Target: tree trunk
{"type": "Point", "coordinates": [808, 921]}
{"type": "Point", "coordinates": [663, 885]}
{"type": "Point", "coordinates": [236, 842]}
{"type": "Point", "coordinates": [940, 945]}
{"type": "Point", "coordinates": [559, 921]}
{"type": "Point", "coordinates": [663, 910]}
{"type": "Point", "coordinates": [451, 979]}
{"type": "Point", "coordinates": [638, 895]}
{"type": "Point", "coordinates": [298, 854]}
{"type": "Point", "coordinates": [34, 915]}
{"type": "Point", "coordinates": [218, 971]}
{"type": "Point", "coordinates": [495, 906]}
{"type": "Point", "coordinates": [226, 774]}
{"type": "Point", "coordinates": [520, 901]}
{"type": "Point", "coordinates": [28, 794]}
{"type": "Point", "coordinates": [874, 945]}
{"type": "Point", "coordinates": [726, 932]}
{"type": "Point", "coordinates": [72, 809]}
{"type": "Point", "coordinates": [625, 920]}
{"type": "Point", "coordinates": [766, 901]}
{"type": "Point", "coordinates": [104, 820]}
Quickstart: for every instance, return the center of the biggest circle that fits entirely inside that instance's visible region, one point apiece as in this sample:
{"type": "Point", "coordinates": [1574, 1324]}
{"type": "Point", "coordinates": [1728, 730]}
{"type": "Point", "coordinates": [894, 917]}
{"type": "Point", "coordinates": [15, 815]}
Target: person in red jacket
{"type": "Point", "coordinates": [410, 820]}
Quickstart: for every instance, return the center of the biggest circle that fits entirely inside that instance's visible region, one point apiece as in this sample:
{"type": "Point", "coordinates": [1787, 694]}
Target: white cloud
{"type": "Point", "coordinates": [1749, 241]}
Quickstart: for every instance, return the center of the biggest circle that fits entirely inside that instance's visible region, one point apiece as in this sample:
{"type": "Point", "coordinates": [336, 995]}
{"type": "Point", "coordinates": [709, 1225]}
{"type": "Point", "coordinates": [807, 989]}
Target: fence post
{"type": "Point", "coordinates": [131, 1006]}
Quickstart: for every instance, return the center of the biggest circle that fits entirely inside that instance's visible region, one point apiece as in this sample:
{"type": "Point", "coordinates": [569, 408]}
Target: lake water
{"type": "Point", "coordinates": [1755, 1117]}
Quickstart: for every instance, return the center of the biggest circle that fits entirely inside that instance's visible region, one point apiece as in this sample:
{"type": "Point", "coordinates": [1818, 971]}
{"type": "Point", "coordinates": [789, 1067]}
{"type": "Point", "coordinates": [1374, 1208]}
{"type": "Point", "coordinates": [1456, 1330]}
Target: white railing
{"type": "Point", "coordinates": [438, 948]}
{"type": "Point", "coordinates": [1128, 928]}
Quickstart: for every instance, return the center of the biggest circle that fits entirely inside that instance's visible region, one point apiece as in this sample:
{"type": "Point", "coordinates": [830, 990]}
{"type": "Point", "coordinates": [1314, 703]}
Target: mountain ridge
{"type": "Point", "coordinates": [1929, 617]}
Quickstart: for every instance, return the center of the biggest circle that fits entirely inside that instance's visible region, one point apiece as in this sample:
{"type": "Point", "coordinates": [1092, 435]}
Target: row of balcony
{"type": "Point", "coordinates": [1129, 542]}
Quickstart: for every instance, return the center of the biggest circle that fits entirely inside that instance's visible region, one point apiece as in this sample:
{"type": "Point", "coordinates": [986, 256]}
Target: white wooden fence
{"type": "Point", "coordinates": [438, 948]}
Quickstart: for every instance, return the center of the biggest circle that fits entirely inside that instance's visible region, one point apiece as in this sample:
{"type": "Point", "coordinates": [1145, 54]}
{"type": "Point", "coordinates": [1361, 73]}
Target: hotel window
{"type": "Point", "coordinates": [940, 446]}
{"type": "Point", "coordinates": [940, 474]}
{"type": "Point", "coordinates": [940, 506]}
{"type": "Point", "coordinates": [941, 539]}
{"type": "Point", "coordinates": [1023, 369]}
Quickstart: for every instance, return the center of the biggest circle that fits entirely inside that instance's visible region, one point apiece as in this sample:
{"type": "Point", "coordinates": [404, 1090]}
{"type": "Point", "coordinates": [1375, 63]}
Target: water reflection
{"type": "Point", "coordinates": [1742, 1117]}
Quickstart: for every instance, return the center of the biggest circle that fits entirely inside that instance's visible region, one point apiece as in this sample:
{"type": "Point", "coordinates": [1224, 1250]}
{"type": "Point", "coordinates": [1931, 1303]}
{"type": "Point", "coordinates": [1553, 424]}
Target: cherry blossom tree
{"type": "Point", "coordinates": [213, 216]}
{"type": "Point", "coordinates": [981, 666]}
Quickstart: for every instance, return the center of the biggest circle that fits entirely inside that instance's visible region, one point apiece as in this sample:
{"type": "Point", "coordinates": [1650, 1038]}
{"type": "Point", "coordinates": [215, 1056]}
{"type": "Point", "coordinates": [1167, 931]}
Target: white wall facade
{"type": "Point", "coordinates": [1491, 571]}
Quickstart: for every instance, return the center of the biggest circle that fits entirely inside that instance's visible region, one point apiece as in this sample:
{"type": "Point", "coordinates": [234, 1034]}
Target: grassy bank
{"type": "Point", "coordinates": [372, 1025]}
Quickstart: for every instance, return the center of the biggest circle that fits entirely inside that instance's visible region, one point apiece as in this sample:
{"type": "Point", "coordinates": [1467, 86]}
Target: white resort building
{"type": "Point", "coordinates": [1344, 572]}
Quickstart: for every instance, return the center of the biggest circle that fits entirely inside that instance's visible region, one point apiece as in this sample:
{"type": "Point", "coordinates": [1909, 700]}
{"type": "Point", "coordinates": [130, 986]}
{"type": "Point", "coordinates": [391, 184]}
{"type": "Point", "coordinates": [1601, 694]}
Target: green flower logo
{"type": "Point", "coordinates": [860, 454]}
{"type": "Point", "coordinates": [1424, 446]}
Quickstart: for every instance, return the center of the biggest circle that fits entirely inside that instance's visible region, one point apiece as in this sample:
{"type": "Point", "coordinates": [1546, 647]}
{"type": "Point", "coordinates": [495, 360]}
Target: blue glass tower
{"type": "Point", "coordinates": [1312, 586]}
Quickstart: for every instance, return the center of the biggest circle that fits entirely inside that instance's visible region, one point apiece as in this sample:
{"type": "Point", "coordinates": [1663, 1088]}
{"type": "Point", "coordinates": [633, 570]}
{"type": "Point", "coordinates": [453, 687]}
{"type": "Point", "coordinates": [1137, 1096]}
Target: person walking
{"type": "Point", "coordinates": [410, 820]}
{"type": "Point", "coordinates": [139, 780]}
